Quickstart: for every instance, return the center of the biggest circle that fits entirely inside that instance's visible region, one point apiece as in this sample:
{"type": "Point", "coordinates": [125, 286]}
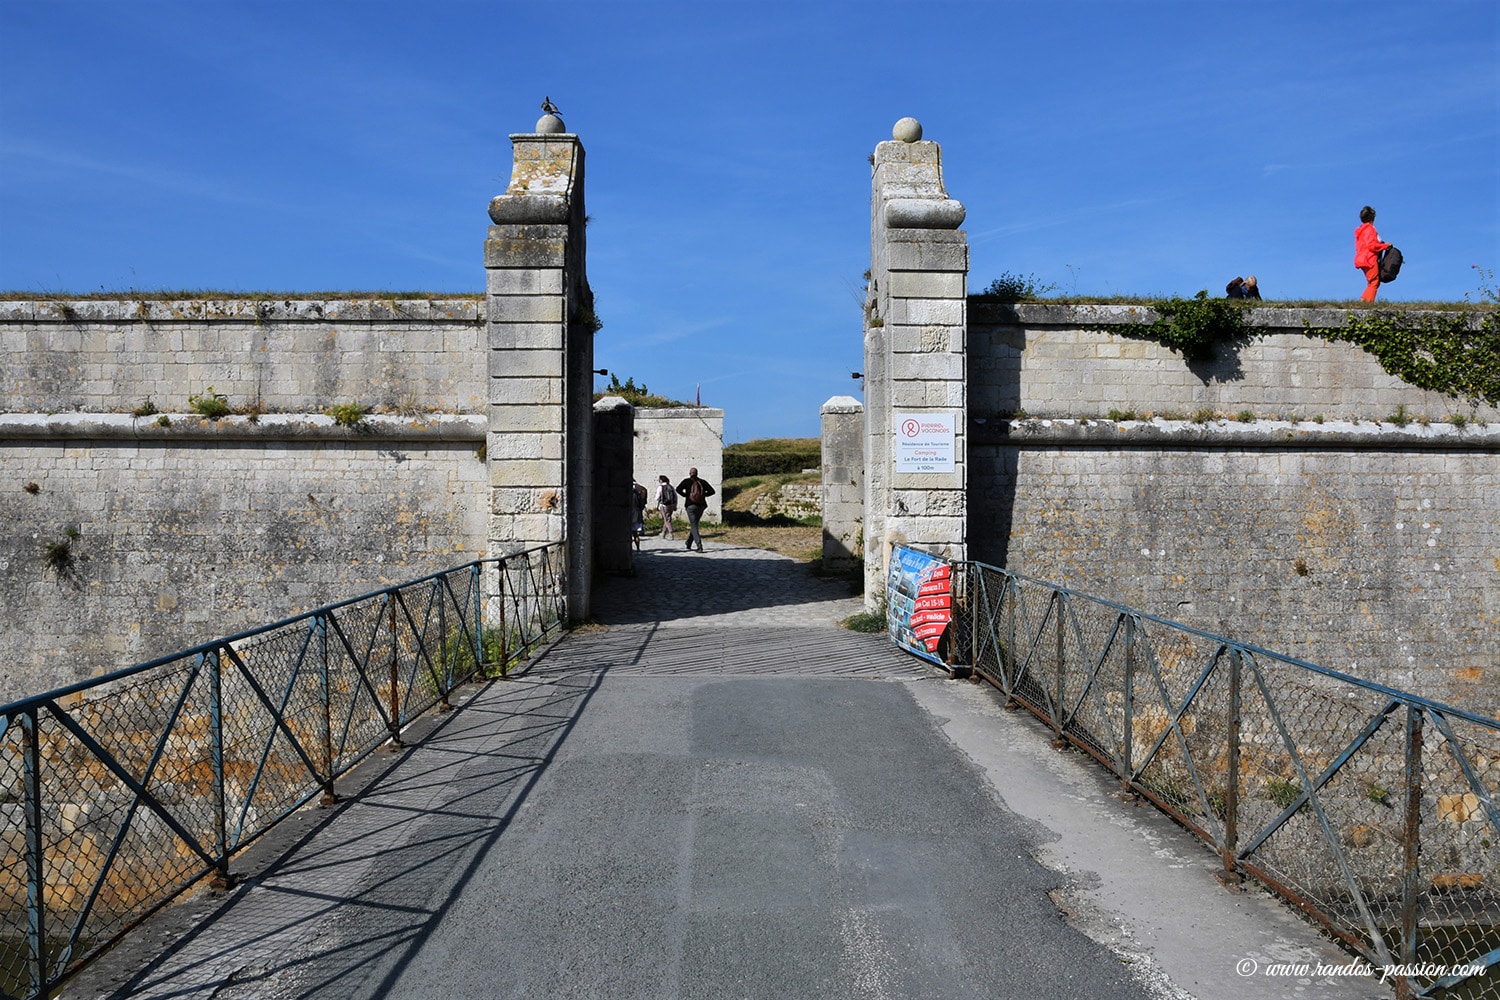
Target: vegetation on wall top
{"type": "Point", "coordinates": [1191, 327]}
{"type": "Point", "coordinates": [771, 456]}
{"type": "Point", "coordinates": [1456, 351]}
{"type": "Point", "coordinates": [1014, 288]}
{"type": "Point", "coordinates": [1446, 353]}
{"type": "Point", "coordinates": [637, 395]}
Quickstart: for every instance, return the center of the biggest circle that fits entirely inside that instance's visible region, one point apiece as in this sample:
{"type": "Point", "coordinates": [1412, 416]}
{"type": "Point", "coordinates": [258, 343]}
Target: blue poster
{"type": "Point", "coordinates": [919, 601]}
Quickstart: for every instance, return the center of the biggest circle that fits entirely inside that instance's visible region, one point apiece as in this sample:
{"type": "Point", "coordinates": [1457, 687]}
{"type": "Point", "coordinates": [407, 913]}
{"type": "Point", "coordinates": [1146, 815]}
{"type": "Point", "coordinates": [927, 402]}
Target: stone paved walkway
{"type": "Point", "coordinates": [724, 586]}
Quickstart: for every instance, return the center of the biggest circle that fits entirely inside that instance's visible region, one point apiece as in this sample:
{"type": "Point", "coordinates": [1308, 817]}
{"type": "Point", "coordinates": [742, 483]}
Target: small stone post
{"type": "Point", "coordinates": [614, 472]}
{"type": "Point", "coordinates": [541, 357]}
{"type": "Point", "coordinates": [843, 483]}
{"type": "Point", "coordinates": [916, 316]}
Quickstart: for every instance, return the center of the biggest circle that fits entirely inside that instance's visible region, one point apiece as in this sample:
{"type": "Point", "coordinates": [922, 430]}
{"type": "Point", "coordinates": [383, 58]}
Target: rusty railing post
{"type": "Point", "coordinates": [446, 673]}
{"type": "Point", "coordinates": [1411, 834]}
{"type": "Point", "coordinates": [36, 873]}
{"type": "Point", "coordinates": [1059, 722]}
{"type": "Point", "coordinates": [476, 583]}
{"type": "Point", "coordinates": [395, 723]}
{"type": "Point", "coordinates": [1230, 876]}
{"type": "Point", "coordinates": [329, 796]}
{"type": "Point", "coordinates": [221, 879]}
{"type": "Point", "coordinates": [504, 627]}
{"type": "Point", "coordinates": [1127, 751]}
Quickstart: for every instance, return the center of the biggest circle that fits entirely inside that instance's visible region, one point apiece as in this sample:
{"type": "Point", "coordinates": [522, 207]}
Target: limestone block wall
{"type": "Point", "coordinates": [179, 534]}
{"type": "Point", "coordinates": [1039, 360]}
{"type": "Point", "coordinates": [668, 442]}
{"type": "Point", "coordinates": [1371, 550]}
{"type": "Point", "coordinates": [275, 356]}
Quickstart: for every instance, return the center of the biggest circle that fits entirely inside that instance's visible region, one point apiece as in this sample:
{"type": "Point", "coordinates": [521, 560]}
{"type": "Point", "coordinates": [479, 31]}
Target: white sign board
{"type": "Point", "coordinates": [924, 442]}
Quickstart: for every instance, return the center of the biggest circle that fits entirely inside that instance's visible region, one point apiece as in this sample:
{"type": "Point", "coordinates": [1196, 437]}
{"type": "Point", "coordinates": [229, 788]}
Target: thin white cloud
{"type": "Point", "coordinates": [165, 178]}
{"type": "Point", "coordinates": [669, 334]}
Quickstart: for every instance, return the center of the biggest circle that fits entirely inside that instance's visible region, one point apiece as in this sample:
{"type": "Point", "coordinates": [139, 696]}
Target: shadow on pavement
{"type": "Point", "coordinates": [672, 584]}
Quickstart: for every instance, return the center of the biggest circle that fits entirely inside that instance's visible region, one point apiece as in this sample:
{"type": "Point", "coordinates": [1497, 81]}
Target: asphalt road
{"type": "Point", "coordinates": [738, 801]}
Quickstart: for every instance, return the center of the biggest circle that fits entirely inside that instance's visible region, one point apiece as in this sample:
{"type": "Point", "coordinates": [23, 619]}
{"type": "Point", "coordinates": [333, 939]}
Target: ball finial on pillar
{"type": "Point", "coordinates": [907, 130]}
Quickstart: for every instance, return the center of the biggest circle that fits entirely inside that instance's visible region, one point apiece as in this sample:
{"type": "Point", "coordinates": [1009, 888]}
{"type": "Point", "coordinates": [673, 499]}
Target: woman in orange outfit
{"type": "Point", "coordinates": [1367, 247]}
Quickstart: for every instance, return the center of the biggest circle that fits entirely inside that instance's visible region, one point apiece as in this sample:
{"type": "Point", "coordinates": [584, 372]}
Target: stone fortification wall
{"type": "Point", "coordinates": [275, 356]}
{"type": "Point", "coordinates": [668, 442]}
{"type": "Point", "coordinates": [1371, 550]}
{"type": "Point", "coordinates": [122, 540]}
{"type": "Point", "coordinates": [1256, 496]}
{"type": "Point", "coordinates": [1040, 360]}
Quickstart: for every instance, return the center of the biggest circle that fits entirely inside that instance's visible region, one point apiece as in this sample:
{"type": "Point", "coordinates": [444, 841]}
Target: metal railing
{"type": "Point", "coordinates": [119, 793]}
{"type": "Point", "coordinates": [1373, 810]}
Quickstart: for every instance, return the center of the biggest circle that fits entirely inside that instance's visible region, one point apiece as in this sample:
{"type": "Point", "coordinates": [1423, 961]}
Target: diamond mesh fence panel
{"type": "Point", "coordinates": [118, 794]}
{"type": "Point", "coordinates": [1376, 811]}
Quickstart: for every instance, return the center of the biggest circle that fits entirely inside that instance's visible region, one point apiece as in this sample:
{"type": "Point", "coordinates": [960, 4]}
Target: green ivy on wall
{"type": "Point", "coordinates": [1443, 352]}
{"type": "Point", "coordinates": [1190, 327]}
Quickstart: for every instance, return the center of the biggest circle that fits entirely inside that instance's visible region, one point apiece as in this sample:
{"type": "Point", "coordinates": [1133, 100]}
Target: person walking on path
{"type": "Point", "coordinates": [638, 501]}
{"type": "Point", "coordinates": [695, 493]}
{"type": "Point", "coordinates": [666, 503]}
{"type": "Point", "coordinates": [1367, 249]}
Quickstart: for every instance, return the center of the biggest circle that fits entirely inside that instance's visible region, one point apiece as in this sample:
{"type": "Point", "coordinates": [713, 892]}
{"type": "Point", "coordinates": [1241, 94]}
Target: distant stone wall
{"type": "Point", "coordinates": [1374, 551]}
{"type": "Point", "coordinates": [1039, 360]}
{"type": "Point", "coordinates": [276, 356]}
{"type": "Point", "coordinates": [189, 528]}
{"type": "Point", "coordinates": [200, 529]}
{"type": "Point", "coordinates": [668, 442]}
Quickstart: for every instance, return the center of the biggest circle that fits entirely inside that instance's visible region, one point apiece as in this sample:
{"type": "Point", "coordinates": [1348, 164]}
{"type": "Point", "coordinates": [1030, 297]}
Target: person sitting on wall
{"type": "Point", "coordinates": [1242, 288]}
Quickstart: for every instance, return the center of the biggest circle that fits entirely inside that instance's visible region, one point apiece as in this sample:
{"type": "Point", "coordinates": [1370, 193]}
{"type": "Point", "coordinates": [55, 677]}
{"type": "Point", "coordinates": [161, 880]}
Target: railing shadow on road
{"type": "Point", "coordinates": [120, 792]}
{"type": "Point", "coordinates": [401, 849]}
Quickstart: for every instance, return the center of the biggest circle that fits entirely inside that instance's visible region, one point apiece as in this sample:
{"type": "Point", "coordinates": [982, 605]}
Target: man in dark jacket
{"type": "Point", "coordinates": [695, 493]}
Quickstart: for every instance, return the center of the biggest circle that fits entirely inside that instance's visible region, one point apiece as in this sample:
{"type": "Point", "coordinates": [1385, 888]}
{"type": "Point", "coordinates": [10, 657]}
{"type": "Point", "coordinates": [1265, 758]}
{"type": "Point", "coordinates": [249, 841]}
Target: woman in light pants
{"type": "Point", "coordinates": [666, 502]}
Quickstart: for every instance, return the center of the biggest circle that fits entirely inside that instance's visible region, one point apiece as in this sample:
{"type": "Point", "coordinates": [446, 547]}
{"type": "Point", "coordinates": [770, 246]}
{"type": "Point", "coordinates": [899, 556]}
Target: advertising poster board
{"type": "Point", "coordinates": [919, 601]}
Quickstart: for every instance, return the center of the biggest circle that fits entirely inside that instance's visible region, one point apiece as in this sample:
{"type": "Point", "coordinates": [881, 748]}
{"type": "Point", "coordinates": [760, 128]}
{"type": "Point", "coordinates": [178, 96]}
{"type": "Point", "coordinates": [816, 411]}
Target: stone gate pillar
{"type": "Point", "coordinates": [541, 356]}
{"type": "Point", "coordinates": [843, 450]}
{"type": "Point", "coordinates": [916, 317]}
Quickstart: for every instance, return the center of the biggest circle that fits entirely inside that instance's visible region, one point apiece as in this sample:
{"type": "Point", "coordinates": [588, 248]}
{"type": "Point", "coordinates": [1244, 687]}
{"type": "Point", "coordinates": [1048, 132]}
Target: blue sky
{"type": "Point", "coordinates": [1145, 148]}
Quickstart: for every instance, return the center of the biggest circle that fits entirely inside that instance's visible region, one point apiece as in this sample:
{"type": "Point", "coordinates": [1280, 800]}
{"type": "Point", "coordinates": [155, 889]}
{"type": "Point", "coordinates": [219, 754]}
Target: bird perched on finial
{"type": "Point", "coordinates": [548, 107]}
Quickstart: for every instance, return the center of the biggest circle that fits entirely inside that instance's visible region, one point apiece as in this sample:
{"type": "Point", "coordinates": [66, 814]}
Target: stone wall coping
{"type": "Point", "coordinates": [1304, 434]}
{"type": "Point", "coordinates": [1267, 317]}
{"type": "Point", "coordinates": [842, 404]}
{"type": "Point", "coordinates": [469, 309]}
{"type": "Point", "coordinates": [468, 428]}
{"type": "Point", "coordinates": [679, 413]}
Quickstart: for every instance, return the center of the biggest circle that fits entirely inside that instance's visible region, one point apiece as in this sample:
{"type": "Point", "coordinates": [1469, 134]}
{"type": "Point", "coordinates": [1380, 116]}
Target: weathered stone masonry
{"type": "Point", "coordinates": [540, 356]}
{"type": "Point", "coordinates": [204, 528]}
{"type": "Point", "coordinates": [127, 537]}
{"type": "Point", "coordinates": [915, 362]}
{"type": "Point", "coordinates": [1317, 527]}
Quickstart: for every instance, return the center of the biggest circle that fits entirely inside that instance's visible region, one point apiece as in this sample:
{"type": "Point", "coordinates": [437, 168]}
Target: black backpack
{"type": "Point", "coordinates": [1390, 264]}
